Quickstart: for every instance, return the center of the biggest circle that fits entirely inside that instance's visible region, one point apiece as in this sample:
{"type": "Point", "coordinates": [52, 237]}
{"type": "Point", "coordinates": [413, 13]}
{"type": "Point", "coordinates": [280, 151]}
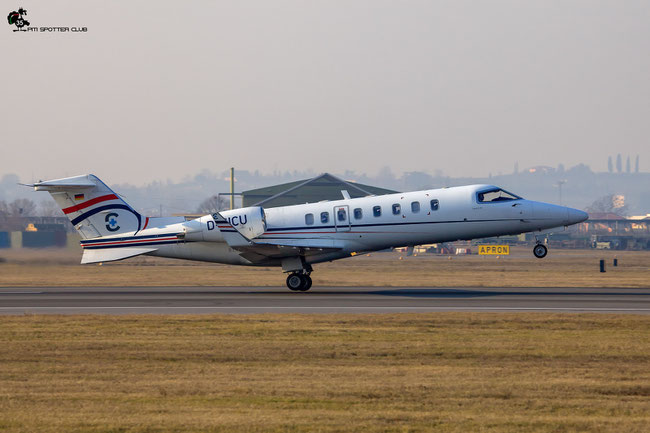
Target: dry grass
{"type": "Point", "coordinates": [562, 268]}
{"type": "Point", "coordinates": [451, 372]}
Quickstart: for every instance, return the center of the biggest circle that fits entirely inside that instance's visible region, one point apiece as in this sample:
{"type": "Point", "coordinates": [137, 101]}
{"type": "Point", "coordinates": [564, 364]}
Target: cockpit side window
{"type": "Point", "coordinates": [495, 195]}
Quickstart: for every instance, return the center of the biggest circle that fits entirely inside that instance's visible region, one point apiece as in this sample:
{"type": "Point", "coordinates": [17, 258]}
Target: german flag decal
{"type": "Point", "coordinates": [78, 197]}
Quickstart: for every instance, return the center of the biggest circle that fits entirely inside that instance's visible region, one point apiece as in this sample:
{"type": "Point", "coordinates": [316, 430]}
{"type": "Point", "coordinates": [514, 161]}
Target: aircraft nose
{"type": "Point", "coordinates": [576, 216]}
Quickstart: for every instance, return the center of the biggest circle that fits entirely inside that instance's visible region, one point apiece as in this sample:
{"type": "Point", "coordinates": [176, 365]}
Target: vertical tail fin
{"type": "Point", "coordinates": [92, 207]}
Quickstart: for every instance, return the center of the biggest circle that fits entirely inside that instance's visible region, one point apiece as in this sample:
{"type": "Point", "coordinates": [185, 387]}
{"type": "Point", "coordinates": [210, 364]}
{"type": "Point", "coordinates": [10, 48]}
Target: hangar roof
{"type": "Point", "coordinates": [319, 188]}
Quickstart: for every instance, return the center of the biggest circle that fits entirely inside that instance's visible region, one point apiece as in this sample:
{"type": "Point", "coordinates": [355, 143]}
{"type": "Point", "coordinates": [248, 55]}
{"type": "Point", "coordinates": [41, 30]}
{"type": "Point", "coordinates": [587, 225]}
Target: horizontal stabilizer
{"type": "Point", "coordinates": [78, 182]}
{"type": "Point", "coordinates": [112, 254]}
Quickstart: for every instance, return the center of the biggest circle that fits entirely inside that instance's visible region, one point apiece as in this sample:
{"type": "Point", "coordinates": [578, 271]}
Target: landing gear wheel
{"type": "Point", "coordinates": [299, 282]}
{"type": "Point", "coordinates": [307, 284]}
{"type": "Point", "coordinates": [540, 251]}
{"type": "Point", "coordinates": [295, 282]}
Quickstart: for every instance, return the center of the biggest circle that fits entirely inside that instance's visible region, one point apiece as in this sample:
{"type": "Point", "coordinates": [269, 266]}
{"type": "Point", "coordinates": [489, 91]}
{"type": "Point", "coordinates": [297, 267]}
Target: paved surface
{"type": "Point", "coordinates": [187, 300]}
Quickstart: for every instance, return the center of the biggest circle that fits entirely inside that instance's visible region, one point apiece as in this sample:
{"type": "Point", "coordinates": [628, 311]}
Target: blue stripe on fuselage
{"type": "Point", "coordinates": [143, 244]}
{"type": "Point", "coordinates": [273, 229]}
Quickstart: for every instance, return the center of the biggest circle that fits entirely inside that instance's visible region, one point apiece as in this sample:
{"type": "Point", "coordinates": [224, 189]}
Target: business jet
{"type": "Point", "coordinates": [297, 237]}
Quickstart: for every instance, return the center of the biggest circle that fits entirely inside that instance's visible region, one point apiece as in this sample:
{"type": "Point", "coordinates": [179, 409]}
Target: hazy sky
{"type": "Point", "coordinates": [162, 89]}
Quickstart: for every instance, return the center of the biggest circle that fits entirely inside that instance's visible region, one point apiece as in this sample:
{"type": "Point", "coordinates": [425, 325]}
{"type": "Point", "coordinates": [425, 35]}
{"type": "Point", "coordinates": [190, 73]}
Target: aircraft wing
{"type": "Point", "coordinates": [262, 249]}
{"type": "Point", "coordinates": [259, 250]}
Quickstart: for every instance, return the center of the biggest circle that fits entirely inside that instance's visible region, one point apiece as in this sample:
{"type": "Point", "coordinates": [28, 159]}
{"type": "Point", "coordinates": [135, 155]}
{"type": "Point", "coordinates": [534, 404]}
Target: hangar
{"type": "Point", "coordinates": [323, 187]}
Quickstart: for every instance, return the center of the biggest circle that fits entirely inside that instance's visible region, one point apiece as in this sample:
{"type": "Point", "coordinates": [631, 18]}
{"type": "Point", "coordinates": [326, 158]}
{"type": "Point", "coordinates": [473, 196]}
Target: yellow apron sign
{"type": "Point", "coordinates": [494, 249]}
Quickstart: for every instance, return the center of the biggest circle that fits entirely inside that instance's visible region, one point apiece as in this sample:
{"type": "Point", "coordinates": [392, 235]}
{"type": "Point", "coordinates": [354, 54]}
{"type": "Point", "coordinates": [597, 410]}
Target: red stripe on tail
{"type": "Point", "coordinates": [89, 203]}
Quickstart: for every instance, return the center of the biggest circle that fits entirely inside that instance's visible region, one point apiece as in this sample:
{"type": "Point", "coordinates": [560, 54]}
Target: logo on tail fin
{"type": "Point", "coordinates": [111, 220]}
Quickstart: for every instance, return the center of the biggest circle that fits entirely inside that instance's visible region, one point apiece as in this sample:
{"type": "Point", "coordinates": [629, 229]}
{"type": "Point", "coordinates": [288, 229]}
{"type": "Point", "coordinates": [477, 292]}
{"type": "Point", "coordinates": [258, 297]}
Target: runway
{"type": "Point", "coordinates": [250, 300]}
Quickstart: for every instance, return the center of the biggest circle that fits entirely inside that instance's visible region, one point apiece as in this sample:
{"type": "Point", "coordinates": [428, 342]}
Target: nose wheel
{"type": "Point", "coordinates": [540, 251]}
{"type": "Point", "coordinates": [299, 282]}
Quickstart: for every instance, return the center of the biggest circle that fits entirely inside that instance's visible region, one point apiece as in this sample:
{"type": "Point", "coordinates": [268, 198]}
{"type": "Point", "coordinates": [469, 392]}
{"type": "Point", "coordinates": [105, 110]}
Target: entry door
{"type": "Point", "coordinates": [342, 218]}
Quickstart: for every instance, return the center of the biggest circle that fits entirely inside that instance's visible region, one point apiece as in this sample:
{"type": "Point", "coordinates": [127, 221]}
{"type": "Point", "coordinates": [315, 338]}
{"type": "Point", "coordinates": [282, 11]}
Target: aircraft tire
{"type": "Point", "coordinates": [540, 251]}
{"type": "Point", "coordinates": [296, 282]}
{"type": "Point", "coordinates": [307, 285]}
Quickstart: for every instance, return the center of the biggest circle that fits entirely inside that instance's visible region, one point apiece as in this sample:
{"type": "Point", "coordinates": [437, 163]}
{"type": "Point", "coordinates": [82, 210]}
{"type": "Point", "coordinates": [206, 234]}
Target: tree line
{"type": "Point", "coordinates": [619, 164]}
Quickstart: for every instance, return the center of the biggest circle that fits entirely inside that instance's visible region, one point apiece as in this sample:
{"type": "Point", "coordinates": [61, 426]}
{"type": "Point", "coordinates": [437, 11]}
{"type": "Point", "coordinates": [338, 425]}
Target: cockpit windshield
{"type": "Point", "coordinates": [496, 195]}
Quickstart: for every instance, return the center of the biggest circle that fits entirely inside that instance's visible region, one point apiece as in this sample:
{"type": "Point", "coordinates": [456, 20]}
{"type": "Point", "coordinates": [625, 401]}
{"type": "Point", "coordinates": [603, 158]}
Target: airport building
{"type": "Point", "coordinates": [37, 232]}
{"type": "Point", "coordinates": [323, 187]}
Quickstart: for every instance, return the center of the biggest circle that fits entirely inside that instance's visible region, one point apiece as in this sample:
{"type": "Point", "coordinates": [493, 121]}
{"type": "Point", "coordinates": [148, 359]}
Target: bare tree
{"type": "Point", "coordinates": [628, 166]}
{"type": "Point", "coordinates": [607, 204]}
{"type": "Point", "coordinates": [619, 163]}
{"type": "Point", "coordinates": [22, 207]}
{"type": "Point", "coordinates": [212, 204]}
{"type": "Point", "coordinates": [4, 209]}
{"type": "Point", "coordinates": [49, 208]}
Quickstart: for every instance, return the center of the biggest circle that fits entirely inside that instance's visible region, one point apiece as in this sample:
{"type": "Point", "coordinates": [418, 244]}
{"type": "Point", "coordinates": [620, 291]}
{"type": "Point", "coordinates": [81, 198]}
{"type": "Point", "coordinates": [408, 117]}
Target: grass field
{"type": "Point", "coordinates": [561, 268]}
{"type": "Point", "coordinates": [450, 372]}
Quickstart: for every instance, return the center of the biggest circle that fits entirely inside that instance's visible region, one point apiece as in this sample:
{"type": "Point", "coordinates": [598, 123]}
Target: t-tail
{"type": "Point", "coordinates": [92, 207]}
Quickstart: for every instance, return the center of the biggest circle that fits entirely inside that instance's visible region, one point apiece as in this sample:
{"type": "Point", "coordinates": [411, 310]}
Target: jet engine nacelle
{"type": "Point", "coordinates": [249, 221]}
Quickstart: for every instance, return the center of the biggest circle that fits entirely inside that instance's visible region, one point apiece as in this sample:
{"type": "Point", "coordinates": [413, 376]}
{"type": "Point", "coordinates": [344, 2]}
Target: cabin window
{"type": "Point", "coordinates": [495, 195]}
{"type": "Point", "coordinates": [341, 215]}
{"type": "Point", "coordinates": [309, 219]}
{"type": "Point", "coordinates": [324, 217]}
{"type": "Point", "coordinates": [376, 211]}
{"type": "Point", "coordinates": [434, 204]}
{"type": "Point", "coordinates": [415, 206]}
{"type": "Point", "coordinates": [397, 209]}
{"type": "Point", "coordinates": [358, 213]}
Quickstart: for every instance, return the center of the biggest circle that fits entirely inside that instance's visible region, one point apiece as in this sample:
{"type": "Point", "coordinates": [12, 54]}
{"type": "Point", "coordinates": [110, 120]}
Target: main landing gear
{"type": "Point", "coordinates": [299, 281]}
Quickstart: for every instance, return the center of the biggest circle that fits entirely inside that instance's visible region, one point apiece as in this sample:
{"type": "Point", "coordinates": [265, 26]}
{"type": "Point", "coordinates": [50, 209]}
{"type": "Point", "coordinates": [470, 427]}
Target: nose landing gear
{"type": "Point", "coordinates": [540, 250]}
{"type": "Point", "coordinates": [299, 282]}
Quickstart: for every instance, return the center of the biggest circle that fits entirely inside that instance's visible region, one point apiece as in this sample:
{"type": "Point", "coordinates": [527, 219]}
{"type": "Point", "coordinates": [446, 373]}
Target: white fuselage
{"type": "Point", "coordinates": [355, 225]}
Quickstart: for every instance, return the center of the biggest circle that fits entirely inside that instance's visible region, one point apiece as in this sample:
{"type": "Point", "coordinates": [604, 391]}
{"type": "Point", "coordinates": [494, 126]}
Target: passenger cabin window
{"type": "Point", "coordinates": [397, 209]}
{"type": "Point", "coordinates": [324, 217]}
{"type": "Point", "coordinates": [376, 211]}
{"type": "Point", "coordinates": [341, 214]}
{"type": "Point", "coordinates": [309, 219]}
{"type": "Point", "coordinates": [434, 204]}
{"type": "Point", "coordinates": [415, 206]}
{"type": "Point", "coordinates": [358, 213]}
{"type": "Point", "coordinates": [496, 195]}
